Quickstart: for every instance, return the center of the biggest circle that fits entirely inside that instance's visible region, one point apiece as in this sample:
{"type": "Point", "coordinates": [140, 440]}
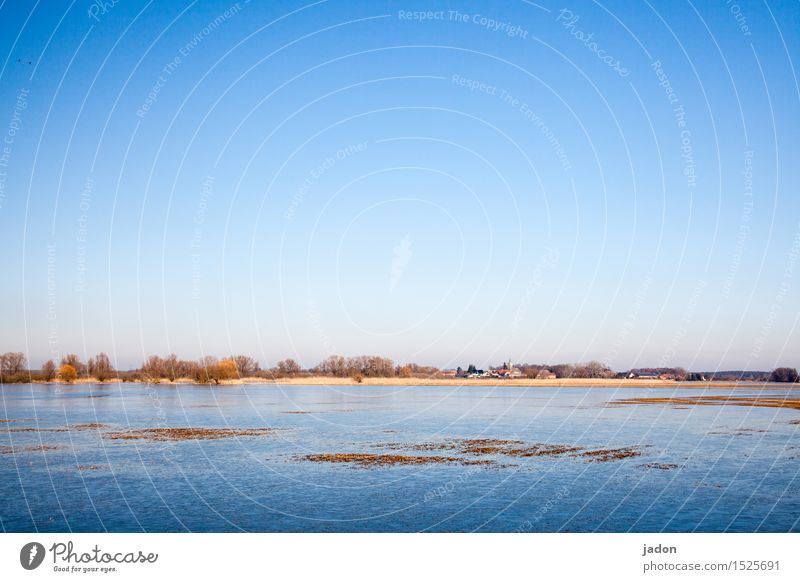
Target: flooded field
{"type": "Point", "coordinates": [127, 458]}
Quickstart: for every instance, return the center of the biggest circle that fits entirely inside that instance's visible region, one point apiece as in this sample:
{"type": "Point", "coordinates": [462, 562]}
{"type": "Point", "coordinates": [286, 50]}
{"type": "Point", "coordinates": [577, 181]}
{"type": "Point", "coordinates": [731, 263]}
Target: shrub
{"type": "Point", "coordinates": [16, 378]}
{"type": "Point", "coordinates": [784, 375]}
{"type": "Point", "coordinates": [67, 373]}
{"type": "Point", "coordinates": [226, 370]}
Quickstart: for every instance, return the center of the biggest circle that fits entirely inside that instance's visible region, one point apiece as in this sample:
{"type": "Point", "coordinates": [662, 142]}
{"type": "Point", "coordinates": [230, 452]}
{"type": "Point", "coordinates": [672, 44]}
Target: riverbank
{"type": "Point", "coordinates": [531, 383]}
{"type": "Point", "coordinates": [499, 382]}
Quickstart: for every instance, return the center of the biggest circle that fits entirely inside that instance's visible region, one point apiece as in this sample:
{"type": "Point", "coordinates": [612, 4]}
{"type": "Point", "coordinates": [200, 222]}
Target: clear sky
{"type": "Point", "coordinates": [484, 181]}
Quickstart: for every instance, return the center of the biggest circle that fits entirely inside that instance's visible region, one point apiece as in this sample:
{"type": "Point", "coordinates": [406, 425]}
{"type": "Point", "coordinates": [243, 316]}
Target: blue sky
{"type": "Point", "coordinates": [538, 181]}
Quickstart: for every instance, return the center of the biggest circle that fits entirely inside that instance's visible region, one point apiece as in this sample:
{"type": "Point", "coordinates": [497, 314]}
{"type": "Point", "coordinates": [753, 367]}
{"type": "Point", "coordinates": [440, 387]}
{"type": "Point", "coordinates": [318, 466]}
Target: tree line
{"type": "Point", "coordinates": [13, 369]}
{"type": "Point", "coordinates": [591, 369]}
{"type": "Point", "coordinates": [210, 369]}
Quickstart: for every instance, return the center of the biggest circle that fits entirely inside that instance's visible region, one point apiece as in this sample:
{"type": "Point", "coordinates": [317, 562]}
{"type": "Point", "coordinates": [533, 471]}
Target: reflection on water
{"type": "Point", "coordinates": [367, 458]}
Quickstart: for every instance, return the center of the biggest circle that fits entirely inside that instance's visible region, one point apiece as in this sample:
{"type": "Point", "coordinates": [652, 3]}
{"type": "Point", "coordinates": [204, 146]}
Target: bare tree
{"type": "Point", "coordinates": [100, 367]}
{"type": "Point", "coordinates": [173, 368]}
{"type": "Point", "coordinates": [594, 369]}
{"type": "Point", "coordinates": [153, 368]}
{"type": "Point", "coordinates": [287, 368]}
{"type": "Point", "coordinates": [49, 370]}
{"type": "Point", "coordinates": [206, 369]}
{"type": "Point", "coordinates": [170, 367]}
{"type": "Point", "coordinates": [245, 365]}
{"type": "Point", "coordinates": [12, 363]}
{"type": "Point", "coordinates": [333, 366]}
{"type": "Point", "coordinates": [563, 370]}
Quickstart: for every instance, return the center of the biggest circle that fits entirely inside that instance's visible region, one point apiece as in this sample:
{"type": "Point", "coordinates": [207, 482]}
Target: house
{"type": "Point", "coordinates": [545, 374]}
{"type": "Point", "coordinates": [507, 371]}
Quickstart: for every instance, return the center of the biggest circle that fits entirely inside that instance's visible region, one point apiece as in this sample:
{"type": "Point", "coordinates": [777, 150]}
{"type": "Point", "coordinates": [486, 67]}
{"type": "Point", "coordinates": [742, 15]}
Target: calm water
{"type": "Point", "coordinates": [737, 467]}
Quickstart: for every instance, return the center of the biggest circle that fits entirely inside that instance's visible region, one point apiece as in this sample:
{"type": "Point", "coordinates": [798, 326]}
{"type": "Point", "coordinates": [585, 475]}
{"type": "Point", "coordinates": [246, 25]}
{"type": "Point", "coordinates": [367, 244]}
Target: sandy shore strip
{"type": "Point", "coordinates": [526, 382]}
{"type": "Point", "coordinates": [497, 382]}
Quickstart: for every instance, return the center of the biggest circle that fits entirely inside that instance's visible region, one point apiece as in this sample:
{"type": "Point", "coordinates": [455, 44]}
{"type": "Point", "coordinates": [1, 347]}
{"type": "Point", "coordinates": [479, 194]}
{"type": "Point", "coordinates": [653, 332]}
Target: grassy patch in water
{"type": "Point", "coordinates": [5, 450]}
{"type": "Point", "coordinates": [187, 433]}
{"type": "Point", "coordinates": [605, 455]}
{"type": "Point", "coordinates": [767, 402]}
{"type": "Point", "coordinates": [518, 449]}
{"type": "Point", "coordinates": [389, 460]}
{"type": "Point", "coordinates": [660, 466]}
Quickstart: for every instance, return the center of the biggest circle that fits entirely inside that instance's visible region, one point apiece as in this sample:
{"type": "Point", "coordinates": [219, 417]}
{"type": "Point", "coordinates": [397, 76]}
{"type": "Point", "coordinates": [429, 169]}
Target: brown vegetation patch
{"type": "Point", "coordinates": [768, 402]}
{"type": "Point", "coordinates": [487, 446]}
{"type": "Point", "coordinates": [437, 446]}
{"type": "Point", "coordinates": [89, 426]}
{"type": "Point", "coordinates": [385, 460]}
{"type": "Point", "coordinates": [703, 484]}
{"type": "Point", "coordinates": [738, 431]}
{"type": "Point", "coordinates": [660, 466]}
{"type": "Point", "coordinates": [543, 450]}
{"type": "Point", "coordinates": [35, 429]}
{"type": "Point", "coordinates": [5, 450]}
{"type": "Point", "coordinates": [73, 427]}
{"type": "Point", "coordinates": [464, 446]}
{"type": "Point", "coordinates": [517, 448]}
{"type": "Point", "coordinates": [187, 433]}
{"type": "Point", "coordinates": [605, 455]}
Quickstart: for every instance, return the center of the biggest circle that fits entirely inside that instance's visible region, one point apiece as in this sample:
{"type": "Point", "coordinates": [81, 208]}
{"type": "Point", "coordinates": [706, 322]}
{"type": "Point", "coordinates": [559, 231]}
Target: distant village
{"type": "Point", "coordinates": [507, 370]}
{"type": "Point", "coordinates": [596, 369]}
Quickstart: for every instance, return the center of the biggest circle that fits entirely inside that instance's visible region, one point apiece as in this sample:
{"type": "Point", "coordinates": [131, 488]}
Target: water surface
{"type": "Point", "coordinates": [701, 468]}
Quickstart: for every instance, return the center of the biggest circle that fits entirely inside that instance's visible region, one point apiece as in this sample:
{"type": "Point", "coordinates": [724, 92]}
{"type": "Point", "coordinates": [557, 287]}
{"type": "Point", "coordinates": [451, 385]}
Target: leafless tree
{"type": "Point", "coordinates": [245, 365]}
{"type": "Point", "coordinates": [100, 367]}
{"type": "Point", "coordinates": [153, 368]}
{"type": "Point", "coordinates": [49, 370]}
{"type": "Point", "coordinates": [333, 366]}
{"type": "Point", "coordinates": [12, 363]}
{"type": "Point", "coordinates": [594, 369]}
{"type": "Point", "coordinates": [287, 368]}
{"type": "Point", "coordinates": [563, 370]}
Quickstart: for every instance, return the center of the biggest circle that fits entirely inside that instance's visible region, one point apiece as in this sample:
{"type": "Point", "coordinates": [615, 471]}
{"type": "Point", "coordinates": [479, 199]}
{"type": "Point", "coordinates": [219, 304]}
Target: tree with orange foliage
{"type": "Point", "coordinates": [226, 370]}
{"type": "Point", "coordinates": [67, 373]}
